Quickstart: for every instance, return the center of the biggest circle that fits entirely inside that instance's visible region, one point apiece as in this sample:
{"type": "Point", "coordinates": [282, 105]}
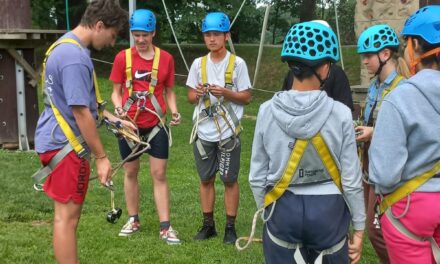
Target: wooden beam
{"type": "Point", "coordinates": [26, 66]}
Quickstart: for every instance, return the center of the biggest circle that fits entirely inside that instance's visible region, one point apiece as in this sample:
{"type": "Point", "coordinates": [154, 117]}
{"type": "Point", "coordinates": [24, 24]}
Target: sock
{"type": "Point", "coordinates": [208, 218]}
{"type": "Point", "coordinates": [230, 220]}
{"type": "Point", "coordinates": [165, 225]}
{"type": "Point", "coordinates": [135, 217]}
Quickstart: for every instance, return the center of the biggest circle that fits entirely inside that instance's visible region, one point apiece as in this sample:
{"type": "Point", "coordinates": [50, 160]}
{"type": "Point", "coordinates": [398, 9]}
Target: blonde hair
{"type": "Point", "coordinates": [401, 66]}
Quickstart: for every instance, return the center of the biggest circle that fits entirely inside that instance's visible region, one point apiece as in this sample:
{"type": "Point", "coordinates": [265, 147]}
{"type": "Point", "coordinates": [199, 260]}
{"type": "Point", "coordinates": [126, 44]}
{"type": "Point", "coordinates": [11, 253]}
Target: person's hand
{"type": "Point", "coordinates": [217, 91]}
{"type": "Point", "coordinates": [363, 133]}
{"type": "Point", "coordinates": [355, 247]}
{"type": "Point", "coordinates": [119, 112]}
{"type": "Point", "coordinates": [175, 119]}
{"type": "Point", "coordinates": [201, 91]}
{"type": "Point", "coordinates": [128, 124]}
{"type": "Point", "coordinates": [103, 169]}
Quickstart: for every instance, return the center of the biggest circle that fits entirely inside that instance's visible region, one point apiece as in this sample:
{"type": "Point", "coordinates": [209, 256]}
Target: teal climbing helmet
{"type": "Point", "coordinates": [376, 38]}
{"type": "Point", "coordinates": [424, 23]}
{"type": "Point", "coordinates": [216, 21]}
{"type": "Point", "coordinates": [310, 43]}
{"type": "Point", "coordinates": [143, 20]}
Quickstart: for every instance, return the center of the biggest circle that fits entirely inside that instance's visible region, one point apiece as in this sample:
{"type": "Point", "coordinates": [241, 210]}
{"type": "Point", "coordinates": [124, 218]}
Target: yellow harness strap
{"type": "Point", "coordinates": [67, 130]}
{"type": "Point", "coordinates": [393, 85]}
{"type": "Point", "coordinates": [292, 165]}
{"type": "Point", "coordinates": [154, 71]}
{"type": "Point", "coordinates": [407, 188]}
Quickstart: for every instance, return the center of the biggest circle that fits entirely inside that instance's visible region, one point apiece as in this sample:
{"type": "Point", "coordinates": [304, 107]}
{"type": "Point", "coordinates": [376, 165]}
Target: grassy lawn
{"type": "Point", "coordinates": [26, 215]}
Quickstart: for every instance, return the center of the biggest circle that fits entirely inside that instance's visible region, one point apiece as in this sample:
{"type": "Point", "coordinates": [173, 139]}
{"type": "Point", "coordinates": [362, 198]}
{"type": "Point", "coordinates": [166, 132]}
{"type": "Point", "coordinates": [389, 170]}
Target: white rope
{"type": "Point", "coordinates": [260, 49]}
{"type": "Point", "coordinates": [174, 34]}
{"type": "Point", "coordinates": [339, 36]}
{"type": "Point", "coordinates": [236, 15]}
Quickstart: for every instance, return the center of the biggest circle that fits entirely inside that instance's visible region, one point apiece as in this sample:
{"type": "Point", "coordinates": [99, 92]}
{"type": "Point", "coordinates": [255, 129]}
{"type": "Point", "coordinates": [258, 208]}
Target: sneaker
{"type": "Point", "coordinates": [206, 232]}
{"type": "Point", "coordinates": [170, 236]}
{"type": "Point", "coordinates": [130, 227]}
{"type": "Point", "coordinates": [230, 235]}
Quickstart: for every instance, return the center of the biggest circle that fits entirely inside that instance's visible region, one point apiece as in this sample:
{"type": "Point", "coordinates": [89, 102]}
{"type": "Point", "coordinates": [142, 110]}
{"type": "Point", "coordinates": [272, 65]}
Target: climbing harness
{"type": "Point", "coordinates": [403, 191]}
{"type": "Point", "coordinates": [213, 111]}
{"type": "Point", "coordinates": [301, 151]}
{"type": "Point", "coordinates": [140, 97]}
{"type": "Point", "coordinates": [75, 143]}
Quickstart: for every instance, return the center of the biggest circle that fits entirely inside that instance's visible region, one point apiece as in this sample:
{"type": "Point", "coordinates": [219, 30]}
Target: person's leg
{"type": "Point", "coordinates": [229, 168]}
{"type": "Point", "coordinates": [160, 188]}
{"type": "Point", "coordinates": [374, 228]}
{"type": "Point", "coordinates": [131, 186]}
{"type": "Point", "coordinates": [207, 169]}
{"type": "Point", "coordinates": [66, 218]}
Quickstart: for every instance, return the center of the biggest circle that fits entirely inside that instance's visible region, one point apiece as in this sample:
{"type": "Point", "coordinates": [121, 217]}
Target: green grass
{"type": "Point", "coordinates": [26, 215]}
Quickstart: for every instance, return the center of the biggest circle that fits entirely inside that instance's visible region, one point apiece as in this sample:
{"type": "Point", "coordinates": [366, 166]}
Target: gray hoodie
{"type": "Point", "coordinates": [406, 138]}
{"type": "Point", "coordinates": [293, 114]}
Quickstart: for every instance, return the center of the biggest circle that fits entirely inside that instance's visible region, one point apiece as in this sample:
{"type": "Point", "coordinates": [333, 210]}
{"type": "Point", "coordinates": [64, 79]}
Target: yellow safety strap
{"type": "Point", "coordinates": [295, 157]}
{"type": "Point", "coordinates": [154, 71]}
{"type": "Point", "coordinates": [327, 159]}
{"type": "Point", "coordinates": [67, 130]}
{"type": "Point", "coordinates": [393, 85]}
{"type": "Point", "coordinates": [407, 188]}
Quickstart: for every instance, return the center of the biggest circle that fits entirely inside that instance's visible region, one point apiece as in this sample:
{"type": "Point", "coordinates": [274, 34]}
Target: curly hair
{"type": "Point", "coordinates": [107, 11]}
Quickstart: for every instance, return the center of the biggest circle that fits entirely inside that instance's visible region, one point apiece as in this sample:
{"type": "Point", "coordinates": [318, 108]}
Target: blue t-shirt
{"type": "Point", "coordinates": [69, 82]}
{"type": "Point", "coordinates": [375, 94]}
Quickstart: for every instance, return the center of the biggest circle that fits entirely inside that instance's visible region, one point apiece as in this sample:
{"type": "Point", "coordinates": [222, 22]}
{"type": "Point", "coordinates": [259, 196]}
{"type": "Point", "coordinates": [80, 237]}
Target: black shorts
{"type": "Point", "coordinates": [159, 145]}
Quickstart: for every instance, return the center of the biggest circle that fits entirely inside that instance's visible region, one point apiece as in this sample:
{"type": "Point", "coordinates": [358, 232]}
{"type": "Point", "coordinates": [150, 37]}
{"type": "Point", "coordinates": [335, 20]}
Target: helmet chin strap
{"type": "Point", "coordinates": [381, 64]}
{"type": "Point", "coordinates": [321, 81]}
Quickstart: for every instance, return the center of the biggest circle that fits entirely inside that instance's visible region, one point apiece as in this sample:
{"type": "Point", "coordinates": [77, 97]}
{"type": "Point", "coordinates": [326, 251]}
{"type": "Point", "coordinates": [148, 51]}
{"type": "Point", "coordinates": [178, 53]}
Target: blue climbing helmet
{"type": "Point", "coordinates": [424, 23]}
{"type": "Point", "coordinates": [376, 38]}
{"type": "Point", "coordinates": [310, 43]}
{"type": "Point", "coordinates": [143, 20]}
{"type": "Point", "coordinates": [216, 21]}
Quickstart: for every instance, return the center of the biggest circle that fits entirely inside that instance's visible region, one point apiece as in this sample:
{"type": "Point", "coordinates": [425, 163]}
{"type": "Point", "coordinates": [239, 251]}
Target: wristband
{"type": "Point", "coordinates": [102, 157]}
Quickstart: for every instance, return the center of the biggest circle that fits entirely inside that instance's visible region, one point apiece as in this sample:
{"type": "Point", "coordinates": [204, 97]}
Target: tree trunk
{"type": "Point", "coordinates": [307, 10]}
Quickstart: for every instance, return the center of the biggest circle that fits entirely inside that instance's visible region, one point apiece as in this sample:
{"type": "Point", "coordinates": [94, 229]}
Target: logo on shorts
{"type": "Point", "coordinates": [81, 185]}
{"type": "Point", "coordinates": [225, 161]}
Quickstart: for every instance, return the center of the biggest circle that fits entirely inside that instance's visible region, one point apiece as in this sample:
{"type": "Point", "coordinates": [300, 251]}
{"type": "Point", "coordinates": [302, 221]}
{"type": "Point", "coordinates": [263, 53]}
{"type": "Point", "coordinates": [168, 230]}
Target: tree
{"type": "Point", "coordinates": [51, 14]}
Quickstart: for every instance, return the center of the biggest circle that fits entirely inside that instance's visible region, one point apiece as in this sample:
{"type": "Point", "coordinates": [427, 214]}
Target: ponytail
{"type": "Point", "coordinates": [402, 68]}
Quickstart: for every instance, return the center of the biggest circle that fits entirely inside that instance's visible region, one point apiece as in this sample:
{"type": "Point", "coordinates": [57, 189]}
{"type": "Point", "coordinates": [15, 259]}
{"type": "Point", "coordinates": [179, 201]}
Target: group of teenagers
{"type": "Point", "coordinates": [319, 179]}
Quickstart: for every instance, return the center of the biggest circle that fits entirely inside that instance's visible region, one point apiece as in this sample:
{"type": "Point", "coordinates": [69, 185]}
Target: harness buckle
{"type": "Point", "coordinates": [229, 85]}
{"type": "Point", "coordinates": [153, 82]}
{"type": "Point", "coordinates": [128, 83]}
{"type": "Point", "coordinates": [101, 106]}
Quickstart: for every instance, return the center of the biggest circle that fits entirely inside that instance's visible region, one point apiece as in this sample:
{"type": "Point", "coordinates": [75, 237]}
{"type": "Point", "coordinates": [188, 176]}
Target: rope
{"type": "Point", "coordinates": [260, 49]}
{"type": "Point", "coordinates": [339, 36]}
{"type": "Point", "coordinates": [250, 238]}
{"type": "Point", "coordinates": [174, 34]}
{"type": "Point", "coordinates": [236, 15]}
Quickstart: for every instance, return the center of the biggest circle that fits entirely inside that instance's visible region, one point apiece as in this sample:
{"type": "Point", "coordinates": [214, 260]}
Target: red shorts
{"type": "Point", "coordinates": [70, 178]}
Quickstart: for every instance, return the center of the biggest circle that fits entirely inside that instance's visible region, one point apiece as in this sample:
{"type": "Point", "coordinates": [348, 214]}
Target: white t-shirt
{"type": "Point", "coordinates": [207, 129]}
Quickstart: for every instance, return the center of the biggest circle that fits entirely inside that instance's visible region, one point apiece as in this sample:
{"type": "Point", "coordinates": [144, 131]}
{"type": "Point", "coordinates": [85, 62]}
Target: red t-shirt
{"type": "Point", "coordinates": [141, 72]}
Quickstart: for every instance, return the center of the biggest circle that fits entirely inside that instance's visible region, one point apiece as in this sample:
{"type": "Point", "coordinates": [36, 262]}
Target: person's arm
{"type": "Point", "coordinates": [117, 99]}
{"type": "Point", "coordinates": [259, 163]}
{"type": "Point", "coordinates": [87, 126]}
{"type": "Point", "coordinates": [171, 102]}
{"type": "Point", "coordinates": [388, 152]}
{"type": "Point", "coordinates": [351, 178]}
